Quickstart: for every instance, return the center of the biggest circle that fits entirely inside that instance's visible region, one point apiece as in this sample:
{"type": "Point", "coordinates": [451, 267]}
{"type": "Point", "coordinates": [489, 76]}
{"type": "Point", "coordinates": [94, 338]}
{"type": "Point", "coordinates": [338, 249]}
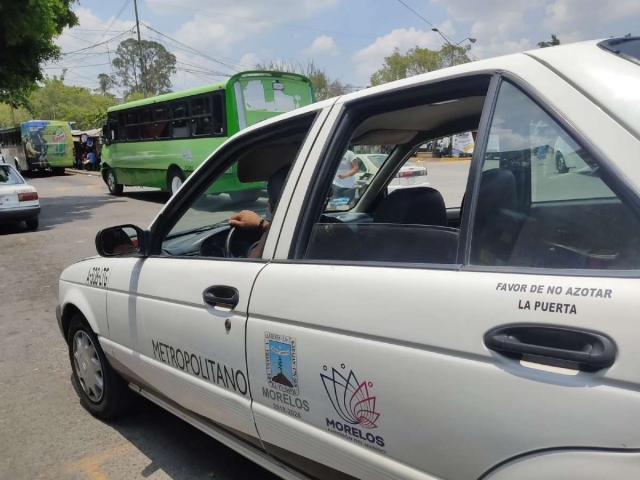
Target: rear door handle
{"type": "Point", "coordinates": [591, 351]}
{"type": "Point", "coordinates": [221, 296]}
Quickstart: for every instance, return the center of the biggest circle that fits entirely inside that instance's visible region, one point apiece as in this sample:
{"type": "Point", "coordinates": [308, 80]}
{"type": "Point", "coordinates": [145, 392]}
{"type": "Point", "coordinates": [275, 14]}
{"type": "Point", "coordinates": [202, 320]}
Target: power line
{"type": "Point", "coordinates": [193, 50]}
{"type": "Point", "coordinates": [257, 20]}
{"type": "Point", "coordinates": [91, 47]}
{"type": "Point", "coordinates": [434, 28]}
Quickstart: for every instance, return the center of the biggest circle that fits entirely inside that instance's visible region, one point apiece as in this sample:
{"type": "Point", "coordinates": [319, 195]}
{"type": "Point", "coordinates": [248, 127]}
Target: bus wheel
{"type": "Point", "coordinates": [110, 180]}
{"type": "Point", "coordinates": [175, 179]}
{"type": "Point", "coordinates": [245, 195]}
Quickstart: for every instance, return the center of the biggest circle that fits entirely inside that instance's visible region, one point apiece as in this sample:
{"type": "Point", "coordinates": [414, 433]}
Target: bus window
{"type": "Point", "coordinates": [218, 114]}
{"type": "Point", "coordinates": [147, 130]}
{"type": "Point", "coordinates": [201, 121]}
{"type": "Point", "coordinates": [133, 132]}
{"type": "Point", "coordinates": [122, 132]}
{"type": "Point", "coordinates": [161, 118]}
{"type": "Point", "coordinates": [180, 123]}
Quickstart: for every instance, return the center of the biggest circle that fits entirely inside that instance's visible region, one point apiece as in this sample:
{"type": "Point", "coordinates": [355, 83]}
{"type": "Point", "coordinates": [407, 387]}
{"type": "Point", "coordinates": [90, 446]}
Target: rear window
{"type": "Point", "coordinates": [627, 47]}
{"type": "Point", "coordinates": [8, 176]}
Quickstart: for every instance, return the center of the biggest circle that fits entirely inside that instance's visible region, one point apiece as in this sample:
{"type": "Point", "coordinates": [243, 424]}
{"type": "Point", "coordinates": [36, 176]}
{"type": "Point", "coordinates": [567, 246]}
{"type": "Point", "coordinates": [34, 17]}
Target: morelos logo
{"type": "Point", "coordinates": [281, 357]}
{"type": "Point", "coordinates": [354, 404]}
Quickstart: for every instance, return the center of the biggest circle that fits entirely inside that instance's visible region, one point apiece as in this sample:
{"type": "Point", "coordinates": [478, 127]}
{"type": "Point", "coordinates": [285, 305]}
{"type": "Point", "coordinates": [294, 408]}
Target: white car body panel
{"type": "Point", "coordinates": [171, 314]}
{"type": "Point", "coordinates": [9, 195]}
{"type": "Point", "coordinates": [434, 401]}
{"type": "Point", "coordinates": [371, 325]}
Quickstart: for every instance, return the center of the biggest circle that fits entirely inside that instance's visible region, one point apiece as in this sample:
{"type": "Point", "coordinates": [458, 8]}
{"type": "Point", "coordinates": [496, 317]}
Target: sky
{"type": "Point", "coordinates": [348, 38]}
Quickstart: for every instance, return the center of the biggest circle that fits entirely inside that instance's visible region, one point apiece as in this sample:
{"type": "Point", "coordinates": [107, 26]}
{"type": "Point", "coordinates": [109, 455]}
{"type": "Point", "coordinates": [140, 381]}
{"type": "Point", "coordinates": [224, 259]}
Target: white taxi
{"type": "Point", "coordinates": [497, 339]}
{"type": "Point", "coordinates": [19, 201]}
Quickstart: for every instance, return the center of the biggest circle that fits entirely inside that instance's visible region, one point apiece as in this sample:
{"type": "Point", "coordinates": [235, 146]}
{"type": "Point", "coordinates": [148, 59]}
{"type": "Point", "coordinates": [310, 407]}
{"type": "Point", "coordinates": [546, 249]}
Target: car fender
{"type": "Point", "coordinates": [83, 287]}
{"type": "Point", "coordinates": [585, 464]}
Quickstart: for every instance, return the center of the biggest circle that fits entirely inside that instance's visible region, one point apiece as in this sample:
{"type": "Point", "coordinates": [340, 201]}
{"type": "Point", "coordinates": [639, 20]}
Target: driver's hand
{"type": "Point", "coordinates": [245, 219]}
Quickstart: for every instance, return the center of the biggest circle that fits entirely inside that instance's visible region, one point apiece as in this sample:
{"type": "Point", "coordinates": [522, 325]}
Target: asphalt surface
{"type": "Point", "coordinates": [45, 433]}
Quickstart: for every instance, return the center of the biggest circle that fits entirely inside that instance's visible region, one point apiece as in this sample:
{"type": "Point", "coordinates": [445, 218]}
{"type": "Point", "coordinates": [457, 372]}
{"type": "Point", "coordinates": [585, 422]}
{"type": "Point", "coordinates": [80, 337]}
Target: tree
{"type": "Point", "coordinates": [322, 84]}
{"type": "Point", "coordinates": [157, 62]}
{"type": "Point", "coordinates": [554, 41]}
{"type": "Point", "coordinates": [6, 120]}
{"type": "Point", "coordinates": [107, 82]}
{"type": "Point", "coordinates": [57, 101]}
{"type": "Point", "coordinates": [27, 31]}
{"type": "Point", "coordinates": [419, 60]}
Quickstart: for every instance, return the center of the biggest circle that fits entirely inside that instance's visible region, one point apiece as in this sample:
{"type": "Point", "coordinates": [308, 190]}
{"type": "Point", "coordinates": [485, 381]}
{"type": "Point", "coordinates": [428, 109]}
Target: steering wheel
{"type": "Point", "coordinates": [227, 244]}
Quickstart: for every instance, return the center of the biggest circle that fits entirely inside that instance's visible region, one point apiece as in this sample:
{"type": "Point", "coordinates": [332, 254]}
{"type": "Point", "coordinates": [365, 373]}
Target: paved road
{"type": "Point", "coordinates": [46, 434]}
{"type": "Point", "coordinates": [449, 178]}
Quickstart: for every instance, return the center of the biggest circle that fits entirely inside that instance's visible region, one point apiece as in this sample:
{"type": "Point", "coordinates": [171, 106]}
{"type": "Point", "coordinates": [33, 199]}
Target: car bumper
{"type": "Point", "coordinates": [59, 318]}
{"type": "Point", "coordinates": [19, 214]}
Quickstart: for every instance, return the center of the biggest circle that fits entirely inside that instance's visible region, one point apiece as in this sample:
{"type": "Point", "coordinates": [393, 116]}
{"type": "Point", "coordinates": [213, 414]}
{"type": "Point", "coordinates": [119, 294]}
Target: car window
{"type": "Point", "coordinates": [405, 220]}
{"type": "Point", "coordinates": [8, 176]}
{"type": "Point", "coordinates": [250, 187]}
{"type": "Point", "coordinates": [542, 201]}
{"type": "Point", "coordinates": [355, 172]}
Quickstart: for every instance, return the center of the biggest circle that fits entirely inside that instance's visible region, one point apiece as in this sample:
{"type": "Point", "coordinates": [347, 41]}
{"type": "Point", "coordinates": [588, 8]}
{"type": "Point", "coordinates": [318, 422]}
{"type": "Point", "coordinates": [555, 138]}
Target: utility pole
{"type": "Point", "coordinates": [142, 75]}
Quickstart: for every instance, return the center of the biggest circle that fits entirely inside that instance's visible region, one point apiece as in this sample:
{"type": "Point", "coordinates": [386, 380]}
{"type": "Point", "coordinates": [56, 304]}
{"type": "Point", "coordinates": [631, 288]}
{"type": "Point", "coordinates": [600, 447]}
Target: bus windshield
{"type": "Point", "coordinates": [266, 97]}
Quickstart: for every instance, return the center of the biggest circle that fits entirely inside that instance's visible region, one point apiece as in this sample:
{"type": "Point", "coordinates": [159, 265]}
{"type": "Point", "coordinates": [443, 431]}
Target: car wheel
{"type": "Point", "coordinates": [245, 195]}
{"type": "Point", "coordinates": [58, 171]}
{"type": "Point", "coordinates": [32, 223]}
{"type": "Point", "coordinates": [175, 179]}
{"type": "Point", "coordinates": [110, 180]}
{"type": "Point", "coordinates": [561, 164]}
{"type": "Point", "coordinates": [103, 393]}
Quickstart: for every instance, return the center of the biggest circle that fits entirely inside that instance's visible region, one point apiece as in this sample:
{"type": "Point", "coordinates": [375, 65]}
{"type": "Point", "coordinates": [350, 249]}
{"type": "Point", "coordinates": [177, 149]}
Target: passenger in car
{"type": "Point", "coordinates": [250, 219]}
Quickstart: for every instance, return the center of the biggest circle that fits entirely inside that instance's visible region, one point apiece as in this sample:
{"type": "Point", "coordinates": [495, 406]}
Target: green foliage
{"type": "Point", "coordinates": [419, 60]}
{"type": "Point", "coordinates": [57, 101]}
{"type": "Point", "coordinates": [137, 96]}
{"type": "Point", "coordinates": [148, 63]}
{"type": "Point", "coordinates": [554, 41]}
{"type": "Point", "coordinates": [322, 84]}
{"type": "Point", "coordinates": [21, 115]}
{"type": "Point", "coordinates": [27, 31]}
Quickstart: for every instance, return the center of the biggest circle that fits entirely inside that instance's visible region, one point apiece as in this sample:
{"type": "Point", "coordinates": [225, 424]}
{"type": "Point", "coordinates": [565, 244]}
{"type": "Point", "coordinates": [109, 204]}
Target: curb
{"type": "Point", "coordinates": [83, 172]}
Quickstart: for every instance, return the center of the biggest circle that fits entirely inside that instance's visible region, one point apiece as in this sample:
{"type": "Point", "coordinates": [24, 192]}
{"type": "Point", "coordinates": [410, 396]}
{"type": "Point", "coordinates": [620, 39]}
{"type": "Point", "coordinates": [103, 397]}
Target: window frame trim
{"type": "Point", "coordinates": [180, 203]}
{"type": "Point", "coordinates": [623, 190]}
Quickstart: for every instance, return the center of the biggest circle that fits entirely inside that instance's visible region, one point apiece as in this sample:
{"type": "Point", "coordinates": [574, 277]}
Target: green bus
{"type": "Point", "coordinates": [38, 144]}
{"type": "Point", "coordinates": [159, 141]}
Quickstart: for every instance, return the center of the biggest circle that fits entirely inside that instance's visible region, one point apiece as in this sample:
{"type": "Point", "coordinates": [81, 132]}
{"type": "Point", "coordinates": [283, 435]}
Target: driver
{"type": "Point", "coordinates": [250, 219]}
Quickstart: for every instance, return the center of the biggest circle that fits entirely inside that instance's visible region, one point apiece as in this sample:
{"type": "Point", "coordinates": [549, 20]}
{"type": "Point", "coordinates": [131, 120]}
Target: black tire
{"type": "Point", "coordinates": [32, 223]}
{"type": "Point", "coordinates": [174, 173]}
{"type": "Point", "coordinates": [245, 195]}
{"type": "Point", "coordinates": [115, 397]}
{"type": "Point", "coordinates": [561, 163]}
{"type": "Point", "coordinates": [58, 170]}
{"type": "Point", "coordinates": [18, 167]}
{"type": "Point", "coordinates": [110, 179]}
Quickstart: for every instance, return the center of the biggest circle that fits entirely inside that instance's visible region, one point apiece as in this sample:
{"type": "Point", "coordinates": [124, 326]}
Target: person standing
{"type": "Point", "coordinates": [345, 181]}
{"type": "Point", "coordinates": [91, 156]}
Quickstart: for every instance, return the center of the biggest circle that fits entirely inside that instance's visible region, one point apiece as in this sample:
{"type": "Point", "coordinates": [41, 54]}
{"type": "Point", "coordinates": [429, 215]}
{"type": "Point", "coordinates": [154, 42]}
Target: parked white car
{"type": "Point", "coordinates": [409, 175]}
{"type": "Point", "coordinates": [398, 339]}
{"type": "Point", "coordinates": [18, 201]}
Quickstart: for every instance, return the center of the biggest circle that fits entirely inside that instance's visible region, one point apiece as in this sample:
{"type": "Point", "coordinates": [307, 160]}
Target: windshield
{"type": "Point", "coordinates": [266, 97]}
{"type": "Point", "coordinates": [8, 176]}
{"type": "Point", "coordinates": [628, 48]}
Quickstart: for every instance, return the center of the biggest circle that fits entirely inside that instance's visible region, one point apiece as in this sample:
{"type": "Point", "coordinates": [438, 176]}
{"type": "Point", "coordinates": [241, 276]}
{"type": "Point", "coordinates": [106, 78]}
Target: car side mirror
{"type": "Point", "coordinates": [121, 240]}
